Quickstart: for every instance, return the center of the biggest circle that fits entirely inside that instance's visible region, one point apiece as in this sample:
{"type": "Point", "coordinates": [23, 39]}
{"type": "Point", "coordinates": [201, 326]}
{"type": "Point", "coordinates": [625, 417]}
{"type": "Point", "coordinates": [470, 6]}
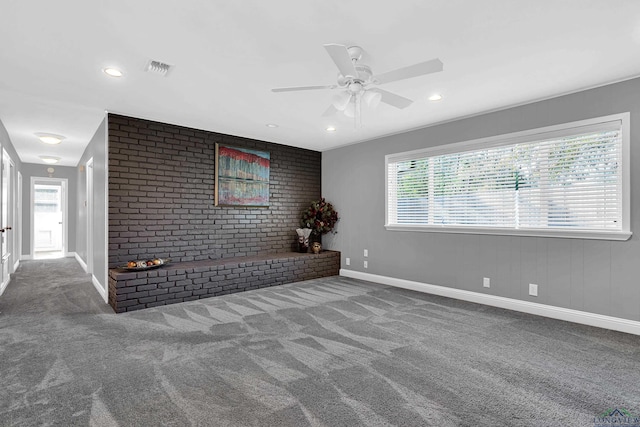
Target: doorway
{"type": "Point", "coordinates": [49, 218]}
{"type": "Point", "coordinates": [7, 213]}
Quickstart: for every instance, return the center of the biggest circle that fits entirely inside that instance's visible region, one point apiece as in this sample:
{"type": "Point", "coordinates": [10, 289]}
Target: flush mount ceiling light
{"type": "Point", "coordinates": [271, 125]}
{"type": "Point", "coordinates": [330, 129]}
{"type": "Point", "coordinates": [49, 138]}
{"type": "Point", "coordinates": [112, 72]}
{"type": "Point", "coordinates": [49, 159]}
{"type": "Point", "coordinates": [435, 97]}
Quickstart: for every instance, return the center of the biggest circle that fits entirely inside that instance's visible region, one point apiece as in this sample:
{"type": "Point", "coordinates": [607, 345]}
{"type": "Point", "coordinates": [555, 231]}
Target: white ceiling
{"type": "Point", "coordinates": [229, 54]}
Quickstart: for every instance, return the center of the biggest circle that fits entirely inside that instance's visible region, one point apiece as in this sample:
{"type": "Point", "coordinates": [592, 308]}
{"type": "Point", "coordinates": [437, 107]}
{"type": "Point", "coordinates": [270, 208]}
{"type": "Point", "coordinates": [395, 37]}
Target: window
{"type": "Point", "coordinates": [46, 200]}
{"type": "Point", "coordinates": [570, 180]}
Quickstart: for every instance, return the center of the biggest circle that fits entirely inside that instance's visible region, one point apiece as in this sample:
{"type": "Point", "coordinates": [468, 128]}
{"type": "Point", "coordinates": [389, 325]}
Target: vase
{"type": "Point", "coordinates": [303, 239]}
{"type": "Point", "coordinates": [303, 245]}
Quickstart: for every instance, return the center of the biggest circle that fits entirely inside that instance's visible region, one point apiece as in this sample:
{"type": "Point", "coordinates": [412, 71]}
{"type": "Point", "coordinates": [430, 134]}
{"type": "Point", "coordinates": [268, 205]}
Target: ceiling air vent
{"type": "Point", "coordinates": [159, 68]}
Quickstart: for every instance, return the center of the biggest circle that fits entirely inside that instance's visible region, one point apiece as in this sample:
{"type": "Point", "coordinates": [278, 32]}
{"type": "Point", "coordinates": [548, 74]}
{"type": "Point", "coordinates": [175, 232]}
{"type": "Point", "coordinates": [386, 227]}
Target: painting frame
{"type": "Point", "coordinates": [241, 176]}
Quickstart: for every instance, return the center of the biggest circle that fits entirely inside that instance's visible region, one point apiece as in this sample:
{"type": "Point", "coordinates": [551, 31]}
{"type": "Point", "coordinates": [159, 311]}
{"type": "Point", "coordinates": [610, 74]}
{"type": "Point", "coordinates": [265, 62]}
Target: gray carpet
{"type": "Point", "coordinates": [326, 352]}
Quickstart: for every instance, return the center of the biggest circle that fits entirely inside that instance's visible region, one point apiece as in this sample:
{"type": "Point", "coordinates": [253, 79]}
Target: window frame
{"type": "Point", "coordinates": [531, 135]}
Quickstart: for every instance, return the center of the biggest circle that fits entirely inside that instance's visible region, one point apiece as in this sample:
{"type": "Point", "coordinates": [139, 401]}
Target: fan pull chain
{"type": "Point", "coordinates": [358, 116]}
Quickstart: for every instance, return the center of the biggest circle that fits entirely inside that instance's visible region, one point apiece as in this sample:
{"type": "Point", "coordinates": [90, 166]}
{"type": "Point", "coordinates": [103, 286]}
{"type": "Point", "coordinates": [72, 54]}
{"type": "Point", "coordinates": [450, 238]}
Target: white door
{"type": "Point", "coordinates": [49, 205]}
{"type": "Point", "coordinates": [6, 218]}
{"type": "Point", "coordinates": [10, 226]}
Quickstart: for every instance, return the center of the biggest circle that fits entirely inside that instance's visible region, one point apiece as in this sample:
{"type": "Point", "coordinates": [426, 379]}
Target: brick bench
{"type": "Point", "coordinates": [187, 281]}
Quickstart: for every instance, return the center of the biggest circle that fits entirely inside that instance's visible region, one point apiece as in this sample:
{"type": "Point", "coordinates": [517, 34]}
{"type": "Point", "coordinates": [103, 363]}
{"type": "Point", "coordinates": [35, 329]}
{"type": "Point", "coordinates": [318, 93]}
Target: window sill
{"type": "Point", "coordinates": [532, 232]}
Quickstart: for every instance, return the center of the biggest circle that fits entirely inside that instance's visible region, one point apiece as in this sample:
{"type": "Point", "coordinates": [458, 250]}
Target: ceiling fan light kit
{"type": "Point", "coordinates": [372, 98]}
{"type": "Point", "coordinates": [355, 80]}
{"type": "Point", "coordinates": [341, 100]}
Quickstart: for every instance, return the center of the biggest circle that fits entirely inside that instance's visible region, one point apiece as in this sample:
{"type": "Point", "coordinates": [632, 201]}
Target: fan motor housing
{"type": "Point", "coordinates": [355, 52]}
{"type": "Point", "coordinates": [364, 72]}
{"type": "Point", "coordinates": [364, 76]}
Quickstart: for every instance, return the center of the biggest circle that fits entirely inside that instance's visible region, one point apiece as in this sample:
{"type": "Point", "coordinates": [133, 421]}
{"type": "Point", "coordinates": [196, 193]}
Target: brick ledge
{"type": "Point", "coordinates": [191, 280]}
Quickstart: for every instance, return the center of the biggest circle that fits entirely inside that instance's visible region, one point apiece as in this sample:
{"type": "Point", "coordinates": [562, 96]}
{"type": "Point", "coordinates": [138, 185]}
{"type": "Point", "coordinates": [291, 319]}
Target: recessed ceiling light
{"type": "Point", "coordinates": [271, 125]}
{"type": "Point", "coordinates": [435, 97]}
{"type": "Point", "coordinates": [113, 72]}
{"type": "Point", "coordinates": [330, 129]}
{"type": "Point", "coordinates": [49, 138]}
{"type": "Point", "coordinates": [50, 160]}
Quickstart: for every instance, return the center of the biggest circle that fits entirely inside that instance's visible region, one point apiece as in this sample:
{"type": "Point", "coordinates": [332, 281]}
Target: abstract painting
{"type": "Point", "coordinates": [242, 176]}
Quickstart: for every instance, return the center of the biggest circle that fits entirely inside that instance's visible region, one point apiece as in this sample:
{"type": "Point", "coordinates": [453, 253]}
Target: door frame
{"type": "Point", "coordinates": [89, 215]}
{"type": "Point", "coordinates": [8, 226]}
{"type": "Point", "coordinates": [13, 216]}
{"type": "Point", "coordinates": [64, 183]}
{"type": "Point", "coordinates": [18, 222]}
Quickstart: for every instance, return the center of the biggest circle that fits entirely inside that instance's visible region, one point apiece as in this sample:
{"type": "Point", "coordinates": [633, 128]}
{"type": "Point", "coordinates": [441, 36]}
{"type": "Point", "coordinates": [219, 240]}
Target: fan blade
{"type": "Point", "coordinates": [342, 59]}
{"type": "Point", "coordinates": [392, 99]}
{"type": "Point", "coordinates": [292, 89]}
{"type": "Point", "coordinates": [330, 111]}
{"type": "Point", "coordinates": [428, 67]}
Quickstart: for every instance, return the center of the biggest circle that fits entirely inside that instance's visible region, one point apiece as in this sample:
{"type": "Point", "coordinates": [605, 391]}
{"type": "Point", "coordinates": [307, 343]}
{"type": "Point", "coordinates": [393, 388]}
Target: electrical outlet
{"type": "Point", "coordinates": [533, 289]}
{"type": "Point", "coordinates": [347, 261]}
{"type": "Point", "coordinates": [366, 264]}
{"type": "Point", "coordinates": [486, 282]}
{"type": "Point", "coordinates": [366, 252]}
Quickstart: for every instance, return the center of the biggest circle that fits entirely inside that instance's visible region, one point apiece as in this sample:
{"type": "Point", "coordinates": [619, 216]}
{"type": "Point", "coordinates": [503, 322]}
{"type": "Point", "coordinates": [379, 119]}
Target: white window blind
{"type": "Point", "coordinates": [567, 180]}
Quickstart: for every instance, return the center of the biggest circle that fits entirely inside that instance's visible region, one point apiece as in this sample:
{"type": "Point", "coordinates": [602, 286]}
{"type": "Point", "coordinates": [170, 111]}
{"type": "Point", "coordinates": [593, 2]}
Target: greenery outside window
{"type": "Point", "coordinates": [569, 180]}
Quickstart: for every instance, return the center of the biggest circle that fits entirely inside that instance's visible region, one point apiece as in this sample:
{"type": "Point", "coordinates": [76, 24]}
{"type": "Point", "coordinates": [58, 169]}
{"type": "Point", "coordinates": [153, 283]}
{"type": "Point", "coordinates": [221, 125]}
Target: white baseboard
{"type": "Point", "coordinates": [16, 265]}
{"type": "Point", "coordinates": [96, 284]}
{"type": "Point", "coordinates": [30, 257]}
{"type": "Point", "coordinates": [570, 315]}
{"type": "Point", "coordinates": [81, 262]}
{"type": "Point", "coordinates": [3, 286]}
{"type": "Point", "coordinates": [100, 289]}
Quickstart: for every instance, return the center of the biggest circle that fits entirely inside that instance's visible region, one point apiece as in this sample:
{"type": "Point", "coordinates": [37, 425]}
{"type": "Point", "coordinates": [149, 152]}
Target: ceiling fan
{"type": "Point", "coordinates": [357, 80]}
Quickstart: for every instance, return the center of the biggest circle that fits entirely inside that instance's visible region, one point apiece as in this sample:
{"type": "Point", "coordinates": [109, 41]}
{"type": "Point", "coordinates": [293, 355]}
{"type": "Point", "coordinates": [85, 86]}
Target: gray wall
{"type": "Point", "coordinates": [40, 171]}
{"type": "Point", "coordinates": [594, 276]}
{"type": "Point", "coordinates": [97, 149]}
{"type": "Point", "coordinates": [6, 143]}
{"type": "Point", "coordinates": [81, 213]}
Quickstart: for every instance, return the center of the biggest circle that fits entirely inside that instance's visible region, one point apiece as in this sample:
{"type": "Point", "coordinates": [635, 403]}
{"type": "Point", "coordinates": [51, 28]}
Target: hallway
{"type": "Point", "coordinates": [51, 287]}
